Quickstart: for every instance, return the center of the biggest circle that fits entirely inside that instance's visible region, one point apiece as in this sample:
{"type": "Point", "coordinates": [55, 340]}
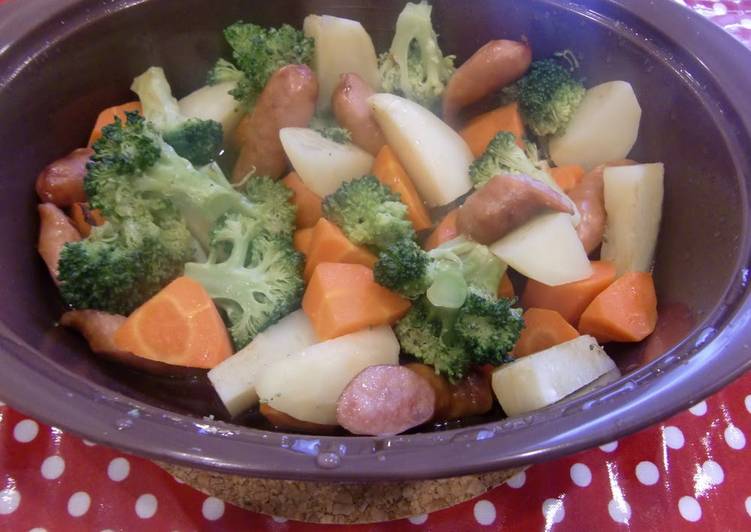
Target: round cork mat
{"type": "Point", "coordinates": [340, 503]}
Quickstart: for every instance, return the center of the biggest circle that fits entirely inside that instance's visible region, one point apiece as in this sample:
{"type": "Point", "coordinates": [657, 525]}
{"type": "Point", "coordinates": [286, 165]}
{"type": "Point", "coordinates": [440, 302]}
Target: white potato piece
{"type": "Point", "coordinates": [321, 163]}
{"type": "Point", "coordinates": [434, 155]}
{"type": "Point", "coordinates": [341, 46]}
{"type": "Point", "coordinates": [235, 378]}
{"type": "Point", "coordinates": [546, 377]}
{"type": "Point", "coordinates": [213, 102]}
{"type": "Point", "coordinates": [604, 128]}
{"type": "Point", "coordinates": [633, 203]}
{"type": "Point", "coordinates": [307, 385]}
{"type": "Point", "coordinates": [546, 249]}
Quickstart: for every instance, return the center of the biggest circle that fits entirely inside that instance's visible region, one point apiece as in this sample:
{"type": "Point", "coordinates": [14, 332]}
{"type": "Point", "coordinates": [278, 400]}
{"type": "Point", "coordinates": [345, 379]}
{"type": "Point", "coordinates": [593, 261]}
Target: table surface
{"type": "Point", "coordinates": [692, 471]}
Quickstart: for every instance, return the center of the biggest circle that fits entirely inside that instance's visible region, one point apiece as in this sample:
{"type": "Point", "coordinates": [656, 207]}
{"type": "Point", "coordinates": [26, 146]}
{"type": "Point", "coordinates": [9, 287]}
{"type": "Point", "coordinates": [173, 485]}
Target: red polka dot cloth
{"type": "Point", "coordinates": [692, 472]}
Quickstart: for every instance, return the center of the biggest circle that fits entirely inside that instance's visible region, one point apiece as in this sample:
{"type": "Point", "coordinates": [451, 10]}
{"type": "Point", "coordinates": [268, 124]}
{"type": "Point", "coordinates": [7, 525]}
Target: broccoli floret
{"type": "Point", "coordinates": [327, 126]}
{"type": "Point", "coordinates": [405, 268]}
{"type": "Point", "coordinates": [414, 66]}
{"type": "Point", "coordinates": [548, 95]}
{"type": "Point", "coordinates": [369, 213]}
{"type": "Point", "coordinates": [224, 71]}
{"type": "Point", "coordinates": [199, 141]}
{"type": "Point", "coordinates": [253, 275]}
{"type": "Point", "coordinates": [503, 156]}
{"type": "Point", "coordinates": [271, 200]}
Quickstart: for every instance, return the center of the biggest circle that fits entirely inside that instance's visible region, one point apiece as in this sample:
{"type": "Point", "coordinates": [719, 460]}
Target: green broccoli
{"type": "Point", "coordinates": [548, 95]}
{"type": "Point", "coordinates": [271, 201]}
{"type": "Point", "coordinates": [254, 276]}
{"type": "Point", "coordinates": [257, 53]}
{"type": "Point", "coordinates": [503, 156]}
{"type": "Point", "coordinates": [414, 66]}
{"type": "Point", "coordinates": [199, 141]}
{"type": "Point", "coordinates": [369, 213]}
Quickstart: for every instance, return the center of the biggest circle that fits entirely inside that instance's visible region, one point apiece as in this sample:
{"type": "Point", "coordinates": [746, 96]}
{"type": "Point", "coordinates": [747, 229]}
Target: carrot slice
{"type": "Point", "coordinates": [505, 288]}
{"type": "Point", "coordinates": [84, 218]}
{"type": "Point", "coordinates": [480, 130]}
{"type": "Point", "coordinates": [308, 202]}
{"type": "Point", "coordinates": [567, 176]}
{"type": "Point", "coordinates": [391, 173]}
{"type": "Point", "coordinates": [626, 311]}
{"type": "Point", "coordinates": [570, 299]}
{"type": "Point", "coordinates": [445, 230]}
{"type": "Point", "coordinates": [302, 239]}
{"type": "Point", "coordinates": [107, 117]}
{"type": "Point", "coordinates": [344, 298]}
{"type": "Point", "coordinates": [328, 244]}
{"type": "Point", "coordinates": [179, 325]}
{"type": "Point", "coordinates": [542, 329]}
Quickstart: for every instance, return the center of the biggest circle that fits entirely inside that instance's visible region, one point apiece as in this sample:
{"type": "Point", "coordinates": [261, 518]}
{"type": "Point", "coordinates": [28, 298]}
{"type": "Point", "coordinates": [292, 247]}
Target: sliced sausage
{"type": "Point", "coordinates": [470, 396]}
{"type": "Point", "coordinates": [287, 423]}
{"type": "Point", "coordinates": [351, 110]}
{"type": "Point", "coordinates": [61, 182]}
{"type": "Point", "coordinates": [288, 100]}
{"type": "Point", "coordinates": [55, 230]}
{"type": "Point", "coordinates": [385, 400]}
{"type": "Point", "coordinates": [588, 196]}
{"type": "Point", "coordinates": [492, 67]}
{"type": "Point", "coordinates": [505, 203]}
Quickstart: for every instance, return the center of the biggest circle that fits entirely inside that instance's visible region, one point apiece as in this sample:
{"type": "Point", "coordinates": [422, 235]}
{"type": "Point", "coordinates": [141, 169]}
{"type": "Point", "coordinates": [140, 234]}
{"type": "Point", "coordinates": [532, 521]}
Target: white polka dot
{"type": "Point", "coordinates": [673, 437]}
{"type": "Point", "coordinates": [609, 447]}
{"type": "Point", "coordinates": [620, 512]}
{"type": "Point", "coordinates": [52, 467]}
{"type": "Point", "coordinates": [107, 530]}
{"type": "Point", "coordinates": [713, 471]}
{"type": "Point", "coordinates": [37, 529]}
{"type": "Point", "coordinates": [720, 9]}
{"type": "Point", "coordinates": [647, 473]}
{"type": "Point", "coordinates": [699, 409]}
{"type": "Point", "coordinates": [748, 506]}
{"type": "Point", "coordinates": [25, 430]}
{"type": "Point", "coordinates": [746, 23]}
{"type": "Point", "coordinates": [88, 443]}
{"type": "Point", "coordinates": [2, 404]}
{"type": "Point", "coordinates": [9, 500]}
{"type": "Point", "coordinates": [484, 512]}
{"type": "Point", "coordinates": [552, 510]}
{"type": "Point", "coordinates": [146, 506]}
{"type": "Point", "coordinates": [418, 519]}
{"type": "Point", "coordinates": [278, 519]}
{"type": "Point", "coordinates": [689, 508]}
{"type": "Point", "coordinates": [118, 469]}
{"type": "Point", "coordinates": [79, 503]}
{"type": "Point", "coordinates": [212, 508]}
{"type": "Point", "coordinates": [734, 437]}
{"type": "Point", "coordinates": [581, 475]}
{"type": "Point", "coordinates": [517, 481]}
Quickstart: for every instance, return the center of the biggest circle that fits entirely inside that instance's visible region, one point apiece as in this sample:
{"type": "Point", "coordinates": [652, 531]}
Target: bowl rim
{"type": "Point", "coordinates": [716, 352]}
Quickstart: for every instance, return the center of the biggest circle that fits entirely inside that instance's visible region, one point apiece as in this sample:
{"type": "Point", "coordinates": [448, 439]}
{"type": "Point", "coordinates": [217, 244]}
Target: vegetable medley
{"type": "Point", "coordinates": [357, 265]}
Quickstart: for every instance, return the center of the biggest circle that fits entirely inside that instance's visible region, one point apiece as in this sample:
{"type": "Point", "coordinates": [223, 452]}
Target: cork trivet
{"type": "Point", "coordinates": [341, 503]}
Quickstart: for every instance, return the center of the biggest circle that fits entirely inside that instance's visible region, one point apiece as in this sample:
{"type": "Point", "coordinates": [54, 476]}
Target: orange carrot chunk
{"type": "Point", "coordinates": [505, 288]}
{"type": "Point", "coordinates": [626, 311]}
{"type": "Point", "coordinates": [391, 173]}
{"type": "Point", "coordinates": [179, 325]}
{"type": "Point", "coordinates": [480, 130]}
{"type": "Point", "coordinates": [328, 244]}
{"type": "Point", "coordinates": [445, 230]}
{"type": "Point", "coordinates": [570, 299]}
{"type": "Point", "coordinates": [308, 202]}
{"type": "Point", "coordinates": [302, 239]}
{"type": "Point", "coordinates": [542, 329]}
{"type": "Point", "coordinates": [567, 176]}
{"type": "Point", "coordinates": [107, 117]}
{"type": "Point", "coordinates": [344, 298]}
{"type": "Point", "coordinates": [84, 218]}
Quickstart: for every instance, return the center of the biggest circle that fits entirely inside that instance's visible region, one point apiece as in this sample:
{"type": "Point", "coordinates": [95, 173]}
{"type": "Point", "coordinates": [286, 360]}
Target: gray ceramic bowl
{"type": "Point", "coordinates": [62, 61]}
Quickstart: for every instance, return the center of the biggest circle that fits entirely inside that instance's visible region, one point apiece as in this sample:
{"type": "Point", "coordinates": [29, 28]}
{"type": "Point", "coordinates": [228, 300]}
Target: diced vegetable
{"type": "Point", "coordinates": [445, 230]}
{"type": "Point", "coordinates": [321, 163]}
{"type": "Point", "coordinates": [570, 299]}
{"type": "Point", "coordinates": [391, 173]}
{"type": "Point", "coordinates": [505, 288]}
{"type": "Point", "coordinates": [179, 325]}
{"type": "Point", "coordinates": [214, 102]}
{"type": "Point", "coordinates": [84, 218]}
{"type": "Point", "coordinates": [235, 379]}
{"type": "Point", "coordinates": [545, 249]}
{"type": "Point", "coordinates": [604, 127]}
{"type": "Point", "coordinates": [542, 329]}
{"type": "Point", "coordinates": [567, 177]}
{"type": "Point", "coordinates": [344, 298]}
{"type": "Point", "coordinates": [633, 203]}
{"type": "Point", "coordinates": [626, 311]}
{"type": "Point", "coordinates": [480, 130]}
{"type": "Point", "coordinates": [302, 239]}
{"type": "Point", "coordinates": [341, 46]}
{"type": "Point", "coordinates": [328, 244]}
{"type": "Point", "coordinates": [107, 117]}
{"type": "Point", "coordinates": [308, 203]}
{"type": "Point", "coordinates": [308, 384]}
{"type": "Point", "coordinates": [542, 379]}
{"type": "Point", "coordinates": [435, 156]}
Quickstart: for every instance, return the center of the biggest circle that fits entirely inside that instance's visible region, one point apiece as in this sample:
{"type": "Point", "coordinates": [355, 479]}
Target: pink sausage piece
{"type": "Point", "coordinates": [55, 230]}
{"type": "Point", "coordinates": [385, 400]}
